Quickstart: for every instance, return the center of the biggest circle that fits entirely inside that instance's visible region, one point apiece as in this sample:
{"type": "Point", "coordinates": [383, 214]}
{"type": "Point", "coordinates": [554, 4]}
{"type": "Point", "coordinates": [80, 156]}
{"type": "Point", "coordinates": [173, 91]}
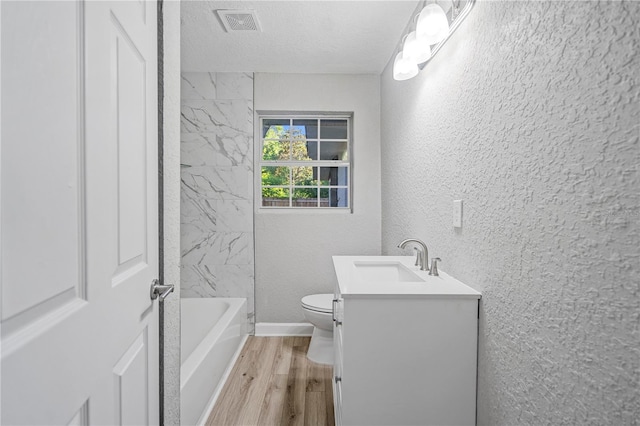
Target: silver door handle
{"type": "Point", "coordinates": [161, 290]}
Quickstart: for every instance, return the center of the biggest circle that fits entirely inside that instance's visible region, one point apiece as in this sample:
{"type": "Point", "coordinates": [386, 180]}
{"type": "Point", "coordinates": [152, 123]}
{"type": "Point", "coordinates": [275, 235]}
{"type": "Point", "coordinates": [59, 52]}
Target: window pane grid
{"type": "Point", "coordinates": [305, 162]}
{"type": "Point", "coordinates": [314, 163]}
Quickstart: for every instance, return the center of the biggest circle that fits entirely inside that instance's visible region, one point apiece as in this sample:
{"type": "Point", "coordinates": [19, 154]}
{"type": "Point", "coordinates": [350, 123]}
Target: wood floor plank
{"type": "Point", "coordinates": [233, 395]}
{"type": "Point", "coordinates": [262, 369]}
{"type": "Point", "coordinates": [257, 343]}
{"type": "Point", "coordinates": [283, 355]}
{"type": "Point", "coordinates": [314, 409]}
{"type": "Point", "coordinates": [301, 341]}
{"type": "Point", "coordinates": [245, 384]}
{"type": "Point", "coordinates": [328, 399]}
{"type": "Point", "coordinates": [273, 383]}
{"type": "Point", "coordinates": [293, 410]}
{"type": "Point", "coordinates": [328, 394]}
{"type": "Point", "coordinates": [273, 403]}
{"type": "Point", "coordinates": [315, 375]}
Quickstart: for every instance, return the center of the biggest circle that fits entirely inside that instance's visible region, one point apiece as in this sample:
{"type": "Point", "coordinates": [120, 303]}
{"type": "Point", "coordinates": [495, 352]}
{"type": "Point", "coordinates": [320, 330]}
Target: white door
{"type": "Point", "coordinates": [79, 213]}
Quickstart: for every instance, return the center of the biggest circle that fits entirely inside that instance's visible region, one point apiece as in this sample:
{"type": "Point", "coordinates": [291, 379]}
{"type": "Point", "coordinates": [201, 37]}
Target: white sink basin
{"type": "Point", "coordinates": [384, 271]}
{"type": "Point", "coordinates": [391, 276]}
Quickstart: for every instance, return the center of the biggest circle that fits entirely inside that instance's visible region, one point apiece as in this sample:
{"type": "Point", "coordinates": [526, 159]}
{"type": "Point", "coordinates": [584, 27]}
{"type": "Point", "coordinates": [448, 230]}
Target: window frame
{"type": "Point", "coordinates": [260, 163]}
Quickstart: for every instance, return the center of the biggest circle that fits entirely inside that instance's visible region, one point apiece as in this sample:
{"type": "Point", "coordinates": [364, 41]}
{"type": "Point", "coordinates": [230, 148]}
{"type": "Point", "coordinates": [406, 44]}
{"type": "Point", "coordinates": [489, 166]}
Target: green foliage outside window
{"type": "Point", "coordinates": [286, 144]}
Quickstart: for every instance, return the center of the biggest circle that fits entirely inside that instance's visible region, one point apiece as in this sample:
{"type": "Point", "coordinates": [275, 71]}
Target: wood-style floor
{"type": "Point", "coordinates": [273, 383]}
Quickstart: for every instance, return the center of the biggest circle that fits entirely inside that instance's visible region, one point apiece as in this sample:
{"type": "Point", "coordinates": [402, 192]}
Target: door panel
{"type": "Point", "coordinates": [128, 86]}
{"type": "Point", "coordinates": [131, 378]}
{"type": "Point", "coordinates": [79, 213]}
{"type": "Point", "coordinates": [81, 417]}
{"type": "Point", "coordinates": [41, 180]}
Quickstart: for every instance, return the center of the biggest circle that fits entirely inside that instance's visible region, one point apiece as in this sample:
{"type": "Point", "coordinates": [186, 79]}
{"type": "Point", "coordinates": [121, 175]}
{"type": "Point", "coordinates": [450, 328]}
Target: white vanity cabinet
{"type": "Point", "coordinates": [404, 355]}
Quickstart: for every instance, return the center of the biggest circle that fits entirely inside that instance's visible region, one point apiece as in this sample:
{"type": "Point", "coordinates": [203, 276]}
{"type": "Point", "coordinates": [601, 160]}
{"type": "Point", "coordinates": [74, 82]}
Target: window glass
{"type": "Point", "coordinates": [333, 129]}
{"type": "Point", "coordinates": [303, 176]}
{"type": "Point", "coordinates": [308, 128]}
{"type": "Point", "coordinates": [275, 175]}
{"type": "Point", "coordinates": [334, 151]}
{"type": "Point", "coordinates": [274, 128]}
{"type": "Point", "coordinates": [275, 197]}
{"type": "Point", "coordinates": [312, 150]}
{"type": "Point", "coordinates": [334, 176]}
{"type": "Point", "coordinates": [334, 197]}
{"type": "Point", "coordinates": [300, 151]}
{"type": "Point", "coordinates": [340, 197]}
{"type": "Point", "coordinates": [273, 150]}
{"type": "Point", "coordinates": [305, 197]}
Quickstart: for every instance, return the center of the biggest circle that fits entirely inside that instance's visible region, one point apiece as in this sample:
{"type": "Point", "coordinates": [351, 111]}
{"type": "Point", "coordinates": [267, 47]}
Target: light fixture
{"type": "Point", "coordinates": [404, 68]}
{"type": "Point", "coordinates": [433, 28]}
{"type": "Point", "coordinates": [417, 51]}
{"type": "Point", "coordinates": [433, 24]}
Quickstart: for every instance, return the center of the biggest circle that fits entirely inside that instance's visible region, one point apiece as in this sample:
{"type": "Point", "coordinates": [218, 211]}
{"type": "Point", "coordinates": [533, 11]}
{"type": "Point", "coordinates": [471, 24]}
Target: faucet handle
{"type": "Point", "coordinates": [434, 266]}
{"type": "Point", "coordinates": [418, 256]}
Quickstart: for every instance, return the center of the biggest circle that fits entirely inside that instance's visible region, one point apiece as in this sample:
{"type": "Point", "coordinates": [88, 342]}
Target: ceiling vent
{"type": "Point", "coordinates": [239, 20]}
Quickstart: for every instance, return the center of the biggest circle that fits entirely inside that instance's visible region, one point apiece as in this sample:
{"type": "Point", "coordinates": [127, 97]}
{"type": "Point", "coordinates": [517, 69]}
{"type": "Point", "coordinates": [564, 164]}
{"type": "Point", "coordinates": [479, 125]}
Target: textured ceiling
{"type": "Point", "coordinates": [301, 36]}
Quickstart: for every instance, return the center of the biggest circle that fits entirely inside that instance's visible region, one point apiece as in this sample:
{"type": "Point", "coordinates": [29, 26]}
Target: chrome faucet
{"type": "Point", "coordinates": [423, 254]}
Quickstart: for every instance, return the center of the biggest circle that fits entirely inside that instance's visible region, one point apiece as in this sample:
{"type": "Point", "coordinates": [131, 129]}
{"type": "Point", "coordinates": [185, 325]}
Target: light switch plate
{"type": "Point", "coordinates": [457, 213]}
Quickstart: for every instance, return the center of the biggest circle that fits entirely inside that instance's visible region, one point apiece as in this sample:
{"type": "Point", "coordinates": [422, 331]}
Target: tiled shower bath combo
{"type": "Point", "coordinates": [216, 209]}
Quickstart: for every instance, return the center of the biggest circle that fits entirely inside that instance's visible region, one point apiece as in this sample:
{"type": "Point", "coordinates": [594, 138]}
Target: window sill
{"type": "Point", "coordinates": [311, 210]}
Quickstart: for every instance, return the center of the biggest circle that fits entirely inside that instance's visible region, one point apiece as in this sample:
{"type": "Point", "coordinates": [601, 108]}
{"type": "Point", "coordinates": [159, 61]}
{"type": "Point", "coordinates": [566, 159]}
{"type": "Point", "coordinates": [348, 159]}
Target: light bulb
{"type": "Point", "coordinates": [433, 25]}
{"type": "Point", "coordinates": [417, 51]}
{"type": "Point", "coordinates": [404, 68]}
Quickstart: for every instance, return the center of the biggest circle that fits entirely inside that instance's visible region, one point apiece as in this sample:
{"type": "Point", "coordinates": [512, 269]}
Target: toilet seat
{"type": "Point", "coordinates": [319, 303]}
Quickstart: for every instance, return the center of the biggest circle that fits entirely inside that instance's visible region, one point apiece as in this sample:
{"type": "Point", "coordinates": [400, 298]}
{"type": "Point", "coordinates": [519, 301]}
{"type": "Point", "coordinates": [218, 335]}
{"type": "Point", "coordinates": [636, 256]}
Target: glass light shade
{"type": "Point", "coordinates": [416, 50]}
{"type": "Point", "coordinates": [433, 25]}
{"type": "Point", "coordinates": [404, 68]}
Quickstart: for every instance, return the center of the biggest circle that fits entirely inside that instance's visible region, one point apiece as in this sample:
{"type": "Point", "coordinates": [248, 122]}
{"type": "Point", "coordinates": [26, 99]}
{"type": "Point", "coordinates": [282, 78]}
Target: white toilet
{"type": "Point", "coordinates": [318, 310]}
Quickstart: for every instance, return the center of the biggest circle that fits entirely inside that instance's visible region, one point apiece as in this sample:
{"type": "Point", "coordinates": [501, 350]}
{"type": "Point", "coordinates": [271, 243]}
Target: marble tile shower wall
{"type": "Point", "coordinates": [216, 207]}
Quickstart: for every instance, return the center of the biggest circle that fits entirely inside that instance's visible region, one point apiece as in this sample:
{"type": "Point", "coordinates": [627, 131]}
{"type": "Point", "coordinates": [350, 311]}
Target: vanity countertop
{"type": "Point", "coordinates": [379, 276]}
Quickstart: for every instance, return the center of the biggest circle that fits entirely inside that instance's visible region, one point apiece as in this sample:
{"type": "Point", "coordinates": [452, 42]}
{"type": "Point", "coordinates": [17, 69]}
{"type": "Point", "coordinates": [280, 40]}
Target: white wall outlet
{"type": "Point", "coordinates": [457, 213]}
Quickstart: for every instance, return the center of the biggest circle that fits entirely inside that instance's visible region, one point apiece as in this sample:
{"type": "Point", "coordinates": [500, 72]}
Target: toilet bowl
{"type": "Point", "coordinates": [318, 310]}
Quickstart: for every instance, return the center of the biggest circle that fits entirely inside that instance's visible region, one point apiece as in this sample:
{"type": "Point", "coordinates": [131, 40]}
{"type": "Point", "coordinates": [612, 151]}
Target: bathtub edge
{"type": "Point", "coordinates": [223, 380]}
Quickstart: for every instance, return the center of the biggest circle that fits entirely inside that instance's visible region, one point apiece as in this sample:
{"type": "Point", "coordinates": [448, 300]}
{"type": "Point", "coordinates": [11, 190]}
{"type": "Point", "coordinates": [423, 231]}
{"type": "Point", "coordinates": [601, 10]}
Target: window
{"type": "Point", "coordinates": [305, 162]}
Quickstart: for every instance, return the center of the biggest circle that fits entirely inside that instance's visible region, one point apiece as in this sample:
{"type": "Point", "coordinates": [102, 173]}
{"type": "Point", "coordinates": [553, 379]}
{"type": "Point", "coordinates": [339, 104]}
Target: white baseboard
{"type": "Point", "coordinates": [284, 329]}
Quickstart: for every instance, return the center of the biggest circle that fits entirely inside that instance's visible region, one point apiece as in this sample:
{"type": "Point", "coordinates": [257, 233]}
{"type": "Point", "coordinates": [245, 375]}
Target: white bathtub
{"type": "Point", "coordinates": [212, 332]}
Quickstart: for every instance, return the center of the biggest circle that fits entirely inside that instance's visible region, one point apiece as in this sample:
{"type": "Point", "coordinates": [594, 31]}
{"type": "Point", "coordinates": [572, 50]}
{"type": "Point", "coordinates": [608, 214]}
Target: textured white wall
{"type": "Point", "coordinates": [171, 178]}
{"type": "Point", "coordinates": [294, 249]}
{"type": "Point", "coordinates": [530, 114]}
